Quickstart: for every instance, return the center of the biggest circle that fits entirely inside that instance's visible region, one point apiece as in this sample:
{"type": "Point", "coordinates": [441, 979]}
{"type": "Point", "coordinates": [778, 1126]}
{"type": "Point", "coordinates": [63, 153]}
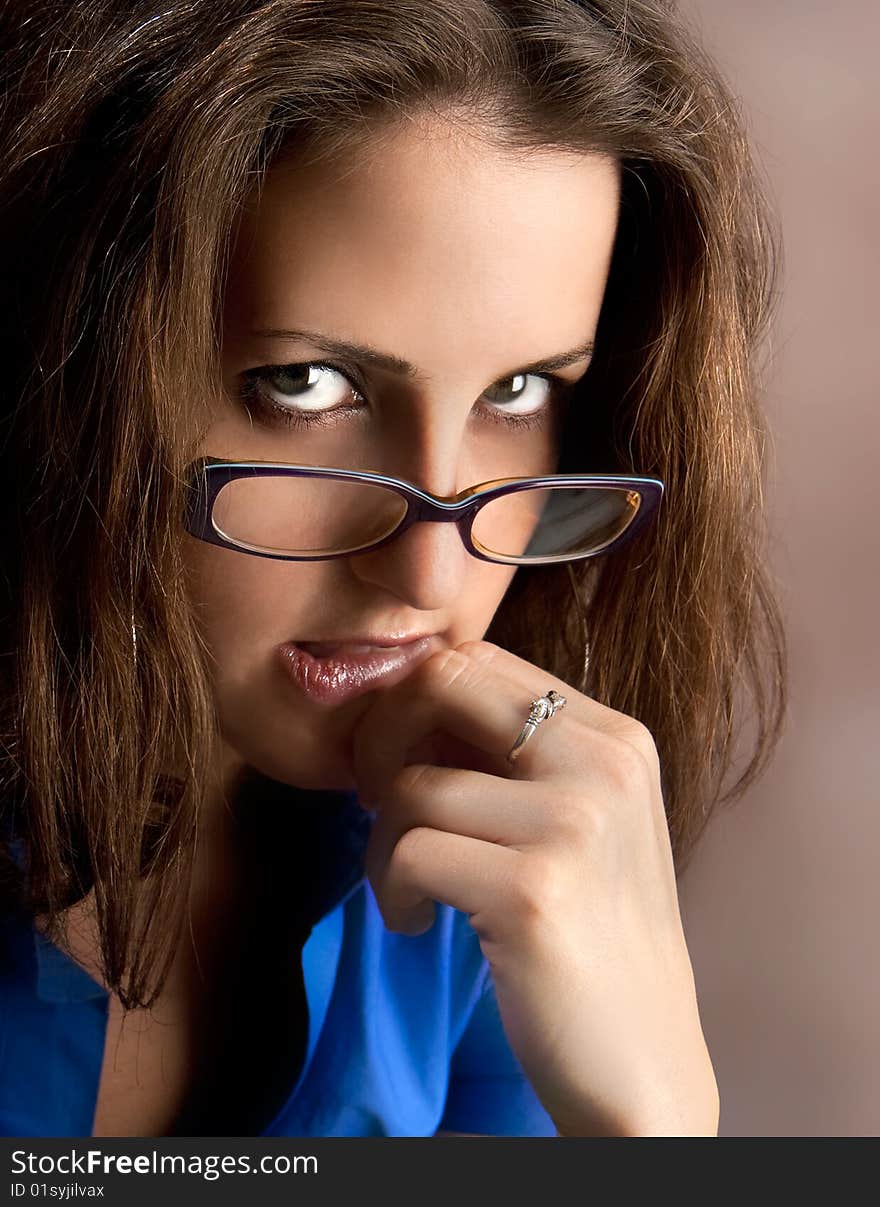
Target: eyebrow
{"type": "Point", "coordinates": [403, 368]}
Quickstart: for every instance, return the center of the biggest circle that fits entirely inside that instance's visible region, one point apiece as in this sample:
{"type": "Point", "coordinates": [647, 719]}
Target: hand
{"type": "Point", "coordinates": [563, 863]}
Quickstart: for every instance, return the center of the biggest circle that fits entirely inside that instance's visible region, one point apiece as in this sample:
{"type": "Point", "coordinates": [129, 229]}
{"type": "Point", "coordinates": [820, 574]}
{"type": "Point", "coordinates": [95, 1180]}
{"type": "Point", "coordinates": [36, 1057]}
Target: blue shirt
{"type": "Point", "coordinates": [404, 1033]}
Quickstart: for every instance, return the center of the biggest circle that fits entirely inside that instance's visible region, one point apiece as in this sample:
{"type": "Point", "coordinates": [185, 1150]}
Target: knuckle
{"type": "Point", "coordinates": [629, 765]}
{"type": "Point", "coordinates": [640, 736]}
{"type": "Point", "coordinates": [481, 651]}
{"type": "Point", "coordinates": [412, 780]}
{"type": "Point", "coordinates": [409, 850]}
{"type": "Point", "coordinates": [441, 668]}
{"type": "Point", "coordinates": [631, 770]}
{"type": "Point", "coordinates": [600, 825]}
{"type": "Point", "coordinates": [445, 668]}
{"type": "Point", "coordinates": [626, 766]}
{"type": "Point", "coordinates": [570, 816]}
{"type": "Point", "coordinates": [535, 890]}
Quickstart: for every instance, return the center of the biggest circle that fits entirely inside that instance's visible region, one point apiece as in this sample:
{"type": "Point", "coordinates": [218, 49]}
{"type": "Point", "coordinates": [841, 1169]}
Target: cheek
{"type": "Point", "coordinates": [243, 603]}
{"type": "Point", "coordinates": [488, 588]}
{"type": "Point", "coordinates": [213, 583]}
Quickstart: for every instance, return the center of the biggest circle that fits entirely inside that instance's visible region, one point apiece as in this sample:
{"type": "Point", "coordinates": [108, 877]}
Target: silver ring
{"type": "Point", "coordinates": [539, 710]}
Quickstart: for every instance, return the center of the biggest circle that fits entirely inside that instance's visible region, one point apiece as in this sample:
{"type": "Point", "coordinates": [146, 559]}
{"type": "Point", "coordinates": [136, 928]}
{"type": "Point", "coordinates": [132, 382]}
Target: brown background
{"type": "Point", "coordinates": [781, 903]}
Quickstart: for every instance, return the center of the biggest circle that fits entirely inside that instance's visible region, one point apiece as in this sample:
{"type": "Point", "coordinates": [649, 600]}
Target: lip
{"type": "Point", "coordinates": [382, 640]}
{"type": "Point", "coordinates": [346, 674]}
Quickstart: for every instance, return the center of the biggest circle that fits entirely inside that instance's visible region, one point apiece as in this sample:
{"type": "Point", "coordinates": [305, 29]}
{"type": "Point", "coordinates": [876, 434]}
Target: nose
{"type": "Point", "coordinates": [427, 566]}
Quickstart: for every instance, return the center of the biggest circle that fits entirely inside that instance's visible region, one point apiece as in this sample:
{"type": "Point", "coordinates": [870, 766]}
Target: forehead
{"type": "Point", "coordinates": [426, 236]}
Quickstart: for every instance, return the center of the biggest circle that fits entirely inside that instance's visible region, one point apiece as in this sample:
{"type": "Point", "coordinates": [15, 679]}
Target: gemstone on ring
{"type": "Point", "coordinates": [545, 706]}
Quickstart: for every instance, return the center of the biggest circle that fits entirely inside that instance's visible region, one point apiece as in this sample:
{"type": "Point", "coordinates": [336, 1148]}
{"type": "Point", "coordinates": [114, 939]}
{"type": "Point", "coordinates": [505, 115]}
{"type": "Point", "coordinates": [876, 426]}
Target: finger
{"type": "Point", "coordinates": [613, 756]}
{"type": "Point", "coordinates": [513, 814]}
{"type": "Point", "coordinates": [525, 674]}
{"type": "Point", "coordinates": [431, 865]}
{"type": "Point", "coordinates": [472, 702]}
{"type": "Point", "coordinates": [597, 716]}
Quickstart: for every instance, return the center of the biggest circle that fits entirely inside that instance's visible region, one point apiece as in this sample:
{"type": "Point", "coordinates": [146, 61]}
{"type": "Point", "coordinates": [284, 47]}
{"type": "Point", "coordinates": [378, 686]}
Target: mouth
{"type": "Point", "coordinates": [333, 672]}
{"type": "Point", "coordinates": [364, 645]}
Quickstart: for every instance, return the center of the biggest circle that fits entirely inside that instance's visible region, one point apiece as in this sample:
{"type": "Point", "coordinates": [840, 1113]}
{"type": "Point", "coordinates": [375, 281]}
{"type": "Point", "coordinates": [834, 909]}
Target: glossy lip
{"type": "Point", "coordinates": [382, 641]}
{"type": "Point", "coordinates": [339, 677]}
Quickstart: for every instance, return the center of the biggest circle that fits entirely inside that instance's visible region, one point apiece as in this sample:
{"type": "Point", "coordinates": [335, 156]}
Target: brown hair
{"type": "Point", "coordinates": [130, 136]}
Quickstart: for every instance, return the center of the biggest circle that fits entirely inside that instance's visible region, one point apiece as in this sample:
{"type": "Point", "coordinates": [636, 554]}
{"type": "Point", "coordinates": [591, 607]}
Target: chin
{"type": "Point", "coordinates": [330, 771]}
{"type": "Point", "coordinates": [311, 750]}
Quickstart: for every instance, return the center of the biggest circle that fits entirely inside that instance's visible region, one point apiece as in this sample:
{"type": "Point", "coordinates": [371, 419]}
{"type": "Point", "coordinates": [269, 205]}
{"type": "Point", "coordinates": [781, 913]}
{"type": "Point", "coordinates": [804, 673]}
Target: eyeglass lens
{"type": "Point", "coordinates": [313, 516]}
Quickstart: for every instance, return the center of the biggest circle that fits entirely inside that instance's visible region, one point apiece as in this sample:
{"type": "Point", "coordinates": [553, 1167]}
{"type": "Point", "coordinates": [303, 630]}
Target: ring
{"type": "Point", "coordinates": [539, 710]}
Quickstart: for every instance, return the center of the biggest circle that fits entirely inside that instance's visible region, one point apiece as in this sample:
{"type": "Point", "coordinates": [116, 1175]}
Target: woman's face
{"type": "Point", "coordinates": [435, 249]}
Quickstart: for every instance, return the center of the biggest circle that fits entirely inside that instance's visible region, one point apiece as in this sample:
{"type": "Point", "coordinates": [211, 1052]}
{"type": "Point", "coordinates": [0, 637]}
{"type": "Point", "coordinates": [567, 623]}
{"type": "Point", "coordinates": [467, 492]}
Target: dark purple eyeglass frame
{"type": "Point", "coordinates": [208, 476]}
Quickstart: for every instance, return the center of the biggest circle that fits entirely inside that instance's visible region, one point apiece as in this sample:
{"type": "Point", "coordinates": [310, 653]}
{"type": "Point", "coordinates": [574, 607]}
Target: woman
{"type": "Point", "coordinates": [256, 885]}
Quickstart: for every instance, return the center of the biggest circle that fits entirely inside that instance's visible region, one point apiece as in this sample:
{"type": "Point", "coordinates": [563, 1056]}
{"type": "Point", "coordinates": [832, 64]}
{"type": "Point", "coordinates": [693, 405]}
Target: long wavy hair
{"type": "Point", "coordinates": [131, 133]}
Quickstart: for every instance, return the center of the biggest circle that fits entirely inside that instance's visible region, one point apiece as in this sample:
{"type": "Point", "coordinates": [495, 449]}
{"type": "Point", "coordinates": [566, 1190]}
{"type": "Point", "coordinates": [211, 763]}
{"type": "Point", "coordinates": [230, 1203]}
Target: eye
{"type": "Point", "coordinates": [300, 393]}
{"type": "Point", "coordinates": [529, 400]}
{"type": "Point", "coordinates": [312, 394]}
{"type": "Point", "coordinates": [516, 398]}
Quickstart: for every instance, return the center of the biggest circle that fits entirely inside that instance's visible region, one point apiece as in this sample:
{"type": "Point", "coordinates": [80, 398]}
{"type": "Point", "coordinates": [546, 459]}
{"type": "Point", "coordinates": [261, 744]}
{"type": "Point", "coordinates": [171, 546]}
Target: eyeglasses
{"type": "Point", "coordinates": [314, 513]}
